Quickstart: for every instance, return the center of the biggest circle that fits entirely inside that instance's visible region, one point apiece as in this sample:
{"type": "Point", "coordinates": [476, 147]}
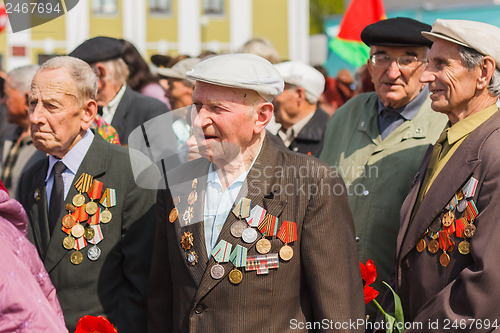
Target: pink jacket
{"type": "Point", "coordinates": [28, 301]}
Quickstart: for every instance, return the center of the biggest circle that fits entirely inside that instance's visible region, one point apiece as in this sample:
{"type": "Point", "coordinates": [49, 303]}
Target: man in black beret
{"type": "Point", "coordinates": [377, 140]}
{"type": "Point", "coordinates": [122, 107]}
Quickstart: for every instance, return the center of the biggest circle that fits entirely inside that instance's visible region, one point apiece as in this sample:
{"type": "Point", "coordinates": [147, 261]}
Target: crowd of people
{"type": "Point", "coordinates": [239, 192]}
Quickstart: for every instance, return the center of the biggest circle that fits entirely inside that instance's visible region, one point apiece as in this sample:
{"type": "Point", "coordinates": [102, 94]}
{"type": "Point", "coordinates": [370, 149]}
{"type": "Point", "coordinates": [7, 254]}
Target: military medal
{"type": "Point", "coordinates": [448, 218]}
{"type": "Point", "coordinates": [249, 235]}
{"type": "Point", "coordinates": [433, 246]}
{"type": "Point", "coordinates": [257, 215]}
{"type": "Point", "coordinates": [287, 234]}
{"type": "Point", "coordinates": [77, 231]}
{"type": "Point", "coordinates": [82, 185]}
{"type": "Point", "coordinates": [242, 209]}
{"type": "Point", "coordinates": [173, 215]}
{"type": "Point", "coordinates": [221, 253]}
{"type": "Point", "coordinates": [263, 246]}
{"type": "Point", "coordinates": [444, 243]}
{"type": "Point", "coordinates": [462, 204]}
{"type": "Point", "coordinates": [108, 200]}
{"type": "Point", "coordinates": [69, 242]}
{"type": "Point", "coordinates": [98, 236]}
{"type": "Point", "coordinates": [94, 193]}
{"type": "Point", "coordinates": [238, 227]}
{"type": "Point", "coordinates": [76, 258]}
{"type": "Point", "coordinates": [421, 245]}
{"type": "Point", "coordinates": [88, 233]}
{"type": "Point", "coordinates": [68, 221]}
{"type": "Point", "coordinates": [470, 188]}
{"type": "Point", "coordinates": [70, 207]}
{"type": "Point", "coordinates": [193, 196]}
{"type": "Point", "coordinates": [94, 253]}
{"type": "Point", "coordinates": [262, 263]}
{"type": "Point", "coordinates": [188, 215]}
{"type": "Point", "coordinates": [36, 195]}
{"type": "Point", "coordinates": [268, 227]}
{"type": "Point", "coordinates": [470, 230]}
{"type": "Point", "coordinates": [239, 259]}
{"type": "Point", "coordinates": [187, 240]}
{"type": "Point", "coordinates": [435, 226]}
{"type": "Point", "coordinates": [192, 258]}
{"type": "Point", "coordinates": [444, 259]}
{"type": "Point", "coordinates": [463, 247]}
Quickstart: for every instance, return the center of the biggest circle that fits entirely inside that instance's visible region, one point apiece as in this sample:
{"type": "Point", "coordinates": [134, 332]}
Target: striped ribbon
{"type": "Point", "coordinates": [80, 214]}
{"type": "Point", "coordinates": [108, 200]}
{"type": "Point", "coordinates": [256, 216]}
{"type": "Point", "coordinates": [242, 208]}
{"type": "Point", "coordinates": [83, 183]}
{"type": "Point", "coordinates": [97, 235]}
{"type": "Point", "coordinates": [239, 256]}
{"type": "Point", "coordinates": [95, 219]}
{"type": "Point", "coordinates": [288, 232]}
{"type": "Point", "coordinates": [95, 190]}
{"type": "Point", "coordinates": [80, 243]}
{"type": "Point", "coordinates": [269, 226]}
{"type": "Point", "coordinates": [221, 251]}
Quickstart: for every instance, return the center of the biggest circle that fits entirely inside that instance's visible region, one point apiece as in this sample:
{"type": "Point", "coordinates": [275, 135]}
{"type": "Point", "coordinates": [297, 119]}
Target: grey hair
{"type": "Point", "coordinates": [261, 47]}
{"type": "Point", "coordinates": [21, 77]}
{"type": "Point", "coordinates": [471, 59]}
{"type": "Point", "coordinates": [83, 76]}
{"type": "Point", "coordinates": [117, 71]}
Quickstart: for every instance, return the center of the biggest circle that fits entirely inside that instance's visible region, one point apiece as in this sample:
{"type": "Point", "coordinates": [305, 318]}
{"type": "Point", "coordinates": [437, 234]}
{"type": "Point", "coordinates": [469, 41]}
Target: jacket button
{"type": "Point", "coordinates": [357, 239]}
{"type": "Point", "coordinates": [366, 192]}
{"type": "Point", "coordinates": [199, 309]}
{"type": "Point", "coordinates": [295, 148]}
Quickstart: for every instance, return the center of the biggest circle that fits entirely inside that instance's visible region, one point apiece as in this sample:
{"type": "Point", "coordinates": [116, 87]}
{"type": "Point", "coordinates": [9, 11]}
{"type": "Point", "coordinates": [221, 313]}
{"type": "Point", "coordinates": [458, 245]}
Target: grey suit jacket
{"type": "Point", "coordinates": [114, 285]}
{"type": "Point", "coordinates": [321, 282]}
{"type": "Point", "coordinates": [468, 286]}
{"type": "Point", "coordinates": [133, 110]}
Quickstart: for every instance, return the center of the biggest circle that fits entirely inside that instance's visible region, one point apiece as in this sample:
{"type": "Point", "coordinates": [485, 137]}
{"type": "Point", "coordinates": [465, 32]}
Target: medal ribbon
{"type": "Point", "coordinates": [80, 214]}
{"type": "Point", "coordinates": [95, 219]}
{"type": "Point", "coordinates": [470, 188]}
{"type": "Point", "coordinates": [460, 228]}
{"type": "Point", "coordinates": [242, 208]}
{"type": "Point", "coordinates": [70, 207]}
{"type": "Point", "coordinates": [97, 235]}
{"type": "Point", "coordinates": [80, 243]}
{"type": "Point", "coordinates": [444, 240]}
{"type": "Point", "coordinates": [262, 263]}
{"type": "Point", "coordinates": [453, 203]}
{"type": "Point", "coordinates": [83, 183]}
{"type": "Point", "coordinates": [269, 226]}
{"type": "Point", "coordinates": [288, 232]}
{"type": "Point", "coordinates": [221, 251]}
{"type": "Point", "coordinates": [108, 200]}
{"type": "Point", "coordinates": [256, 216]}
{"type": "Point", "coordinates": [95, 190]}
{"type": "Point", "coordinates": [450, 229]}
{"type": "Point", "coordinates": [239, 256]}
{"type": "Point", "coordinates": [471, 211]}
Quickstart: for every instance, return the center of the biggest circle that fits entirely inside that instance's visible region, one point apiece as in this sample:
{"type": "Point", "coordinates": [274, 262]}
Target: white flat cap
{"type": "Point", "coordinates": [179, 70]}
{"type": "Point", "coordinates": [302, 75]}
{"type": "Point", "coordinates": [482, 37]}
{"type": "Point", "coordinates": [243, 71]}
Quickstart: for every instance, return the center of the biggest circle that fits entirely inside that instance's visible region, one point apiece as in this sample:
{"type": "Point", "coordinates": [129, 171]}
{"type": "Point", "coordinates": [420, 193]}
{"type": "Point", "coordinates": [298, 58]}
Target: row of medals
{"type": "Point", "coordinates": [446, 221]}
{"type": "Point", "coordinates": [77, 230]}
{"type": "Point", "coordinates": [238, 229]}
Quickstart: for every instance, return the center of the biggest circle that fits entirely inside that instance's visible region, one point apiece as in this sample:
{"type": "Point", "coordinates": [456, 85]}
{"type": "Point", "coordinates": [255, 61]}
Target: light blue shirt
{"type": "Point", "coordinates": [218, 204]}
{"type": "Point", "coordinates": [72, 161]}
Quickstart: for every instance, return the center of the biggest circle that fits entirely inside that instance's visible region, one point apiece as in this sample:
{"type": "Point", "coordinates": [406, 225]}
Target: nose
{"type": "Point", "coordinates": [201, 118]}
{"type": "Point", "coordinates": [427, 75]}
{"type": "Point", "coordinates": [35, 113]}
{"type": "Point", "coordinates": [393, 71]}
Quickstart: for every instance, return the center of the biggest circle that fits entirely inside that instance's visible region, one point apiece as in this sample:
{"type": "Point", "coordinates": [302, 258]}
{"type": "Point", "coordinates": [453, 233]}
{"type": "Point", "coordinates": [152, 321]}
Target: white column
{"type": "Point", "coordinates": [240, 22]}
{"type": "Point", "coordinates": [298, 30]}
{"type": "Point", "coordinates": [188, 26]}
{"type": "Point", "coordinates": [21, 38]}
{"type": "Point", "coordinates": [77, 25]}
{"type": "Point", "coordinates": [134, 23]}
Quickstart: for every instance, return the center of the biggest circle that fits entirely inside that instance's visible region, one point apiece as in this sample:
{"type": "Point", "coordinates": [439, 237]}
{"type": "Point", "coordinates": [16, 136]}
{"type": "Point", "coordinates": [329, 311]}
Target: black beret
{"type": "Point", "coordinates": [160, 60]}
{"type": "Point", "coordinates": [98, 49]}
{"type": "Point", "coordinates": [399, 31]}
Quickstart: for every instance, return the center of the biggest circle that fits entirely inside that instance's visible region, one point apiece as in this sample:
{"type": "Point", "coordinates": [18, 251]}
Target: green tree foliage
{"type": "Point", "coordinates": [319, 9]}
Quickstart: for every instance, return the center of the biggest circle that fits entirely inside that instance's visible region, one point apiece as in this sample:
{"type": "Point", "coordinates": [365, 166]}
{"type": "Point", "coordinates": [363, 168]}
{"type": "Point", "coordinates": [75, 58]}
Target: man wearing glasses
{"type": "Point", "coordinates": [377, 140]}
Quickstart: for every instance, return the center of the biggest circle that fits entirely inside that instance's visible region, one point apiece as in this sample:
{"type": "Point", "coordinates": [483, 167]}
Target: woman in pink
{"type": "Point", "coordinates": [28, 301]}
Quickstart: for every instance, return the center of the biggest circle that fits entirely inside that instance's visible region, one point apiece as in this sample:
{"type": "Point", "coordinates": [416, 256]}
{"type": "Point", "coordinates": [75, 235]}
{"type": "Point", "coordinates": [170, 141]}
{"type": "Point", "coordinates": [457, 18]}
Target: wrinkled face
{"type": "Point", "coordinates": [397, 87]}
{"type": "Point", "coordinates": [286, 106]}
{"type": "Point", "coordinates": [57, 119]}
{"type": "Point", "coordinates": [451, 84]}
{"type": "Point", "coordinates": [223, 124]}
{"type": "Point", "coordinates": [179, 94]}
{"type": "Point", "coordinates": [15, 101]}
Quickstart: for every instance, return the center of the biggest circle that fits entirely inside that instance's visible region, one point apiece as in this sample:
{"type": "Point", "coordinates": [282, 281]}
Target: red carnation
{"type": "Point", "coordinates": [91, 324]}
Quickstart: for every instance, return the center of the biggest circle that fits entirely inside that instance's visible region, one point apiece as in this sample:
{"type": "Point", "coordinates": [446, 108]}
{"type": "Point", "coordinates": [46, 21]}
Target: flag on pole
{"type": "Point", "coordinates": [359, 14]}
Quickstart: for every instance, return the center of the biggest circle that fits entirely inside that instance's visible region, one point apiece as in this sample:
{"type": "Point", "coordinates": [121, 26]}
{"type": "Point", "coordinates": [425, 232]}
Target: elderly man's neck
{"type": "Point", "coordinates": [475, 105]}
{"type": "Point", "coordinates": [229, 171]}
{"type": "Point", "coordinates": [306, 110]}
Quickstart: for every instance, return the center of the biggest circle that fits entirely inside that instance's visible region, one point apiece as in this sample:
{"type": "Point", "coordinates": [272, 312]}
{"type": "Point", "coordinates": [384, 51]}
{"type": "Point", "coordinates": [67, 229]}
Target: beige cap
{"type": "Point", "coordinates": [179, 70]}
{"type": "Point", "coordinates": [482, 37]}
{"type": "Point", "coordinates": [242, 71]}
{"type": "Point", "coordinates": [302, 75]}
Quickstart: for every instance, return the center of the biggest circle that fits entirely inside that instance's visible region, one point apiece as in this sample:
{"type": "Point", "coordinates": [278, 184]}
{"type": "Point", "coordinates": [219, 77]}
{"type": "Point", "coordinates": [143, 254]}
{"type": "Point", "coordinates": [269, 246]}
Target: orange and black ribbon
{"type": "Point", "coordinates": [288, 232]}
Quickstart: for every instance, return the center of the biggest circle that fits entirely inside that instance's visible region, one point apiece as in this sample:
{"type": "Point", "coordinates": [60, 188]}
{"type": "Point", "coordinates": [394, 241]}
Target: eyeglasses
{"type": "Point", "coordinates": [404, 62]}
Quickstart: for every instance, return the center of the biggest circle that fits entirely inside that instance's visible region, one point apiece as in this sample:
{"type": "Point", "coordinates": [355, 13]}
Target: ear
{"type": "Point", "coordinates": [486, 70]}
{"type": "Point", "coordinates": [369, 65]}
{"type": "Point", "coordinates": [89, 113]}
{"type": "Point", "coordinates": [301, 93]}
{"type": "Point", "coordinates": [264, 114]}
{"type": "Point", "coordinates": [27, 101]}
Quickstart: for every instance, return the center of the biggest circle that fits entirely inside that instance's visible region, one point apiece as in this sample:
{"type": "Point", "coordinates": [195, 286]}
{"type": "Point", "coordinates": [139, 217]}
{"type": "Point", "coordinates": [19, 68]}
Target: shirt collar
{"type": "Point", "coordinates": [116, 100]}
{"type": "Point", "coordinates": [410, 110]}
{"type": "Point", "coordinates": [469, 124]}
{"type": "Point", "coordinates": [74, 157]}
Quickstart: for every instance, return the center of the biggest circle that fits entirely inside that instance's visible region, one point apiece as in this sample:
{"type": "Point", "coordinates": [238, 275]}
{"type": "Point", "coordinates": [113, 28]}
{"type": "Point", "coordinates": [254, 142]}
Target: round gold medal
{"type": "Point", "coordinates": [263, 246]}
{"type": "Point", "coordinates": [69, 242]}
{"type": "Point", "coordinates": [286, 253]}
{"type": "Point", "coordinates": [421, 245]}
{"type": "Point", "coordinates": [91, 208]}
{"type": "Point", "coordinates": [470, 230]}
{"type": "Point", "coordinates": [235, 276]}
{"type": "Point", "coordinates": [433, 246]}
{"type": "Point", "coordinates": [448, 218]}
{"type": "Point", "coordinates": [173, 215]}
{"type": "Point", "coordinates": [463, 247]}
{"type": "Point", "coordinates": [106, 216]}
{"type": "Point", "coordinates": [78, 200]}
{"type": "Point", "coordinates": [444, 259]}
{"type": "Point", "coordinates": [76, 258]}
{"type": "Point", "coordinates": [68, 221]}
{"type": "Point", "coordinates": [77, 231]}
{"type": "Point", "coordinates": [89, 233]}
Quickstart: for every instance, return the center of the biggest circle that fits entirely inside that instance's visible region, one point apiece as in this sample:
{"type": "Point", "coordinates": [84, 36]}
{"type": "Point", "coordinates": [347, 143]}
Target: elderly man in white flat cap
{"type": "Point", "coordinates": [448, 268]}
{"type": "Point", "coordinates": [252, 237]}
{"type": "Point", "coordinates": [303, 121]}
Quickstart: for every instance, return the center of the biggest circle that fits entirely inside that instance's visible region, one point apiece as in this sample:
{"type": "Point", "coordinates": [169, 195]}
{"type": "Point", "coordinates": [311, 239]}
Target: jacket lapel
{"type": "Point", "coordinates": [93, 164]}
{"type": "Point", "coordinates": [38, 211]}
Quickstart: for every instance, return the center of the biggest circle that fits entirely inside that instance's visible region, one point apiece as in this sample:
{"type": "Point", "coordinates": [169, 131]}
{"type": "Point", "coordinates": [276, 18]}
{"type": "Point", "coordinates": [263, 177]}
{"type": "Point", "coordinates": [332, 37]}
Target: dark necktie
{"type": "Point", "coordinates": [99, 110]}
{"type": "Point", "coordinates": [57, 195]}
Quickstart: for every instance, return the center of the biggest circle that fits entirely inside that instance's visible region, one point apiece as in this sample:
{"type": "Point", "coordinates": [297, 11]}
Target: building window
{"type": "Point", "coordinates": [160, 7]}
{"type": "Point", "coordinates": [104, 7]}
{"type": "Point", "coordinates": [213, 7]}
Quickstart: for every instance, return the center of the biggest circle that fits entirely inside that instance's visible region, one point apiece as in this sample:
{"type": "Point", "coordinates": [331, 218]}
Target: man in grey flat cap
{"type": "Point", "coordinates": [252, 237]}
{"type": "Point", "coordinates": [377, 140]}
{"type": "Point", "coordinates": [448, 269]}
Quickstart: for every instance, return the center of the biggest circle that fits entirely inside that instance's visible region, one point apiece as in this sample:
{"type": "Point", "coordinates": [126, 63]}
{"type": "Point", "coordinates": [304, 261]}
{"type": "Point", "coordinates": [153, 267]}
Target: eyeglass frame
{"type": "Point", "coordinates": [417, 61]}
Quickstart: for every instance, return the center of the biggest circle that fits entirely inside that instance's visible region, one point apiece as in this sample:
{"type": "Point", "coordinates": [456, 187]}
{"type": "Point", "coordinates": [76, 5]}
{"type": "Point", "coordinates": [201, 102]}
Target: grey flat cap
{"type": "Point", "coordinates": [179, 70]}
{"type": "Point", "coordinates": [482, 37]}
{"type": "Point", "coordinates": [242, 71]}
